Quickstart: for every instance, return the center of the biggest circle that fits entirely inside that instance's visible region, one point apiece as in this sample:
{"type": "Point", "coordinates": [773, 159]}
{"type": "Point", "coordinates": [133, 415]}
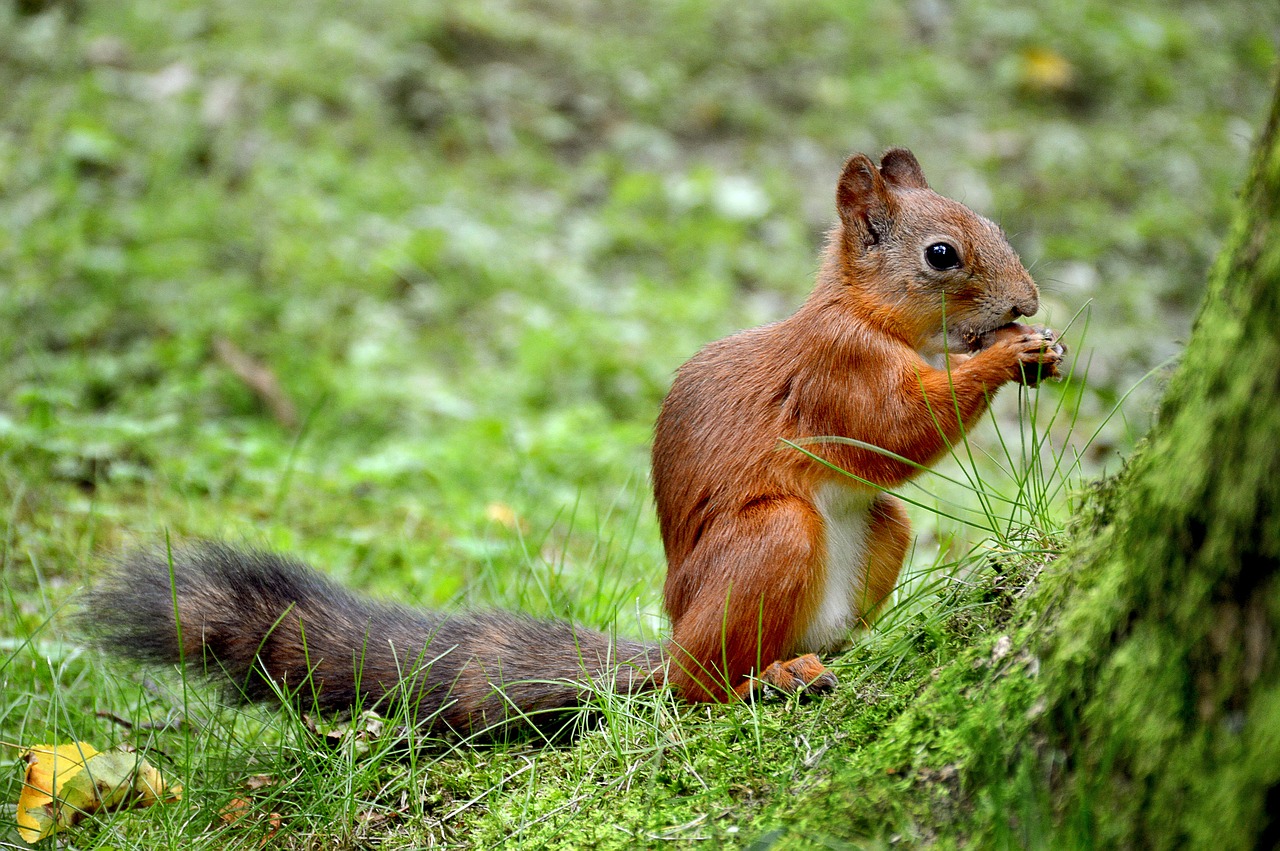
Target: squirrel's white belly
{"type": "Point", "coordinates": [846, 519]}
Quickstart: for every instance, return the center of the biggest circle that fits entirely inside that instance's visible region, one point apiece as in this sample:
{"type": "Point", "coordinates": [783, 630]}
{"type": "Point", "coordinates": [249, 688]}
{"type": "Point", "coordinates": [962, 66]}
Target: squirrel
{"type": "Point", "coordinates": [773, 555]}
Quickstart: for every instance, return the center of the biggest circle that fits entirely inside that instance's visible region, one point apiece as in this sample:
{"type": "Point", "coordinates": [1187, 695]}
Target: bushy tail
{"type": "Point", "coordinates": [270, 625]}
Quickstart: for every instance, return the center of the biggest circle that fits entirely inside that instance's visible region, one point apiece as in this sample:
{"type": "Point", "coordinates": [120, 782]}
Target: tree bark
{"type": "Point", "coordinates": [1161, 672]}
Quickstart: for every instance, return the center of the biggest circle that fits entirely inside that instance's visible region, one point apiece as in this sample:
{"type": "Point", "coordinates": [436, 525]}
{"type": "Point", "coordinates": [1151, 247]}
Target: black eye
{"type": "Point", "coordinates": [942, 256]}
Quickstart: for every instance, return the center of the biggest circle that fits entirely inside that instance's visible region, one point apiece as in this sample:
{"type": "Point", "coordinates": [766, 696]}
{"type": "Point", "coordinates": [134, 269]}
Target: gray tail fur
{"type": "Point", "coordinates": [269, 625]}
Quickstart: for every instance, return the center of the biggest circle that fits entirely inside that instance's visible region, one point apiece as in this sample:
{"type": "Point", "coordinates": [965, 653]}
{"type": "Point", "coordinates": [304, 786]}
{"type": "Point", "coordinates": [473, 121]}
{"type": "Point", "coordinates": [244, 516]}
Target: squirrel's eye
{"type": "Point", "coordinates": [942, 256]}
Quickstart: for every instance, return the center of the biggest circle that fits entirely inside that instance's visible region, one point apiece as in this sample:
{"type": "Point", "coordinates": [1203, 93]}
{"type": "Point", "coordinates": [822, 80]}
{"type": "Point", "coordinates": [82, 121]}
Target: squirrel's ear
{"type": "Point", "coordinates": [862, 199]}
{"type": "Point", "coordinates": [901, 168]}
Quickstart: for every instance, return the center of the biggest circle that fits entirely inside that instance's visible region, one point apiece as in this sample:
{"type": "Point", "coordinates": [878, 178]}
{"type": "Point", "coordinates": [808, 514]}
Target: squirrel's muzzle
{"type": "Point", "coordinates": [1028, 305]}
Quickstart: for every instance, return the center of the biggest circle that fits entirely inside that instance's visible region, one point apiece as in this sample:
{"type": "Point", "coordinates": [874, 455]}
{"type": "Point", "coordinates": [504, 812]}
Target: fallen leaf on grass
{"type": "Point", "coordinates": [239, 813]}
{"type": "Point", "coordinates": [259, 781]}
{"type": "Point", "coordinates": [66, 783]}
{"type": "Point", "coordinates": [357, 736]}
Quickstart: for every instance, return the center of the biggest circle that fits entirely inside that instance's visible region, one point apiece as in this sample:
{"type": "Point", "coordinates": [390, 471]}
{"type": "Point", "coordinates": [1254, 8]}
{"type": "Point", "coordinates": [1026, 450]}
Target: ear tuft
{"type": "Point", "coordinates": [901, 168]}
{"type": "Point", "coordinates": [862, 199]}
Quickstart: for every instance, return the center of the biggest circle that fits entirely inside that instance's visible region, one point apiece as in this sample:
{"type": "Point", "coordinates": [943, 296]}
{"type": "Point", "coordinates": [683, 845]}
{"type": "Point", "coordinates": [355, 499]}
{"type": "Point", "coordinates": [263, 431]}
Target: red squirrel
{"type": "Point", "coordinates": [772, 556]}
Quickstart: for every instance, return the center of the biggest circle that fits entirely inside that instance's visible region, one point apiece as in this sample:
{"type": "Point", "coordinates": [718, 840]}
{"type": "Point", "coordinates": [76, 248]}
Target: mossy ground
{"type": "Point", "coordinates": [472, 242]}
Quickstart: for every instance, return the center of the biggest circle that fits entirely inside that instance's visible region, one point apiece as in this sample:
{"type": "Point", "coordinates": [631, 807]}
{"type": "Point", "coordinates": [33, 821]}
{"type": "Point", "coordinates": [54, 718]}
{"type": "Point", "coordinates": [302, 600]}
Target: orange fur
{"type": "Point", "coordinates": [742, 518]}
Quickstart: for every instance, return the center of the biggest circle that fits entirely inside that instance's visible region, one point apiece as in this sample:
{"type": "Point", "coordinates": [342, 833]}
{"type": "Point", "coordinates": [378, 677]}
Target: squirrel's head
{"type": "Point", "coordinates": [922, 262]}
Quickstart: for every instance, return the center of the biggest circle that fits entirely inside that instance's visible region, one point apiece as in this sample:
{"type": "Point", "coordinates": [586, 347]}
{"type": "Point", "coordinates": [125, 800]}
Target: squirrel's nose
{"type": "Point", "coordinates": [1028, 306]}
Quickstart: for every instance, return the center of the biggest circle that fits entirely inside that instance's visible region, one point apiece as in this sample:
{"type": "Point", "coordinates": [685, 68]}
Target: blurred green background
{"type": "Point", "coordinates": [471, 241]}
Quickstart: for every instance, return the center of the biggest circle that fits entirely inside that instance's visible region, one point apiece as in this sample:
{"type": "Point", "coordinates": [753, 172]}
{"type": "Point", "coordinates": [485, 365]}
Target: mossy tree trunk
{"type": "Point", "coordinates": [1162, 672]}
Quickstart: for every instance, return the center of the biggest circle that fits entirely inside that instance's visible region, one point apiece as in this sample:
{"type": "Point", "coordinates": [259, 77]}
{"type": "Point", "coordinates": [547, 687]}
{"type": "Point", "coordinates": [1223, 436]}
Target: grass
{"type": "Point", "coordinates": [472, 242]}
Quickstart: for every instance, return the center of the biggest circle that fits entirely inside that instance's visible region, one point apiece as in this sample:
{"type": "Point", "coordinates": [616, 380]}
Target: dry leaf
{"type": "Point", "coordinates": [239, 813]}
{"type": "Point", "coordinates": [48, 769]}
{"type": "Point", "coordinates": [259, 781]}
{"type": "Point", "coordinates": [235, 810]}
{"type": "Point", "coordinates": [66, 783]}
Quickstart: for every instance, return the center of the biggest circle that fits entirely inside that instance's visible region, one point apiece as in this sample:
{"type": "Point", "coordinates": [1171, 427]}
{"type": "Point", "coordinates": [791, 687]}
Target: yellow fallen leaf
{"type": "Point", "coordinates": [49, 767]}
{"type": "Point", "coordinates": [116, 779]}
{"type": "Point", "coordinates": [65, 783]}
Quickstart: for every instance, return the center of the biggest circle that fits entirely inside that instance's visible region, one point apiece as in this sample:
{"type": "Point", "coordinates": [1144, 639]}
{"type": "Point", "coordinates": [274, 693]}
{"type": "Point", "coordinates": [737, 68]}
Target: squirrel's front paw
{"type": "Point", "coordinates": [1038, 353]}
{"type": "Point", "coordinates": [1042, 358]}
